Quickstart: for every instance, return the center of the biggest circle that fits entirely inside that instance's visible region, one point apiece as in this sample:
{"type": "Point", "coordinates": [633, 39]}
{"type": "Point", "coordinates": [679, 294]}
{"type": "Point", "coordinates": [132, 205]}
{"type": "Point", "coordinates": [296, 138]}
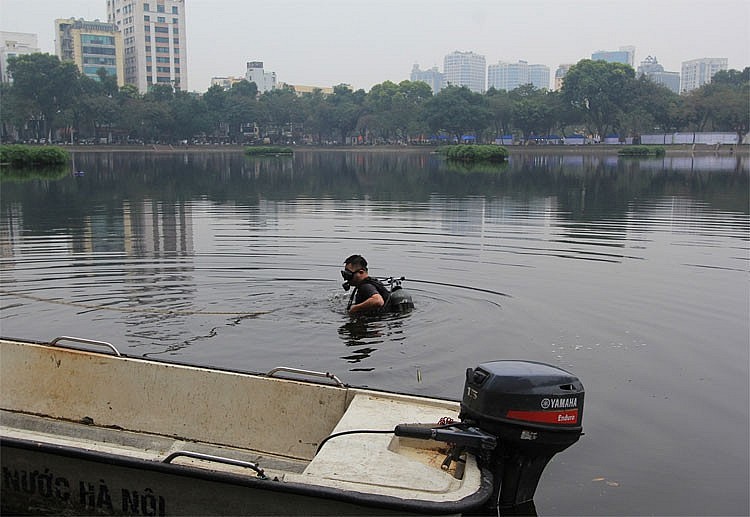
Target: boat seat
{"type": "Point", "coordinates": [384, 461]}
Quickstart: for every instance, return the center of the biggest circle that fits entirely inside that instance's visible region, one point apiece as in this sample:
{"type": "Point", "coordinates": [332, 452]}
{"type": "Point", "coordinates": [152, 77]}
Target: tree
{"type": "Point", "coordinates": [653, 105]}
{"type": "Point", "coordinates": [727, 101]}
{"type": "Point", "coordinates": [282, 109]}
{"type": "Point", "coordinates": [318, 114]}
{"type": "Point", "coordinates": [412, 95]}
{"type": "Point", "coordinates": [457, 111]}
{"type": "Point", "coordinates": [215, 101]}
{"type": "Point", "coordinates": [379, 102]}
{"type": "Point", "coordinates": [532, 114]}
{"type": "Point", "coordinates": [242, 109]}
{"type": "Point", "coordinates": [190, 115]}
{"type": "Point", "coordinates": [600, 91]}
{"type": "Point", "coordinates": [501, 111]}
{"type": "Point", "coordinates": [347, 106]}
{"type": "Point", "coordinates": [45, 86]}
{"type": "Point", "coordinates": [15, 112]}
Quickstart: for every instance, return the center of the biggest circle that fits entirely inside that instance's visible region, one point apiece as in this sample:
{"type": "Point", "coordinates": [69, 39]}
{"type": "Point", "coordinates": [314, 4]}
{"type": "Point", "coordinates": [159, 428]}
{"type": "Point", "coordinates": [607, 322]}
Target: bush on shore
{"type": "Point", "coordinates": [642, 150]}
{"type": "Point", "coordinates": [29, 155]}
{"type": "Point", "coordinates": [474, 153]}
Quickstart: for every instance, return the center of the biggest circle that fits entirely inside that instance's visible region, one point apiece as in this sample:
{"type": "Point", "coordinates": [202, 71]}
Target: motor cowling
{"type": "Point", "coordinates": [534, 409]}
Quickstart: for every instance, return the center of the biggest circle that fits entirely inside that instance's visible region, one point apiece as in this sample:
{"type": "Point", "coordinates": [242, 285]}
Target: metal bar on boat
{"type": "Point", "coordinates": [217, 459]}
{"type": "Point", "coordinates": [55, 341]}
{"type": "Point", "coordinates": [311, 373]}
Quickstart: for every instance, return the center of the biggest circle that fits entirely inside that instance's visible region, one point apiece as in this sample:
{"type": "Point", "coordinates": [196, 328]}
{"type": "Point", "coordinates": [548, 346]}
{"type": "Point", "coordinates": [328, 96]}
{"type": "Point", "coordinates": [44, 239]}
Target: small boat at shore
{"type": "Point", "coordinates": [98, 432]}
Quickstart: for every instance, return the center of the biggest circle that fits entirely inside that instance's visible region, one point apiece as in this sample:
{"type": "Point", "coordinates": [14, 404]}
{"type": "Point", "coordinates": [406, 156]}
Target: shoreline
{"type": "Point", "coordinates": [593, 149]}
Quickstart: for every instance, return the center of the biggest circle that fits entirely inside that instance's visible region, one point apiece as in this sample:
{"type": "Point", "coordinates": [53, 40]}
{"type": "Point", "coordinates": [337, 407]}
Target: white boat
{"type": "Point", "coordinates": [97, 432]}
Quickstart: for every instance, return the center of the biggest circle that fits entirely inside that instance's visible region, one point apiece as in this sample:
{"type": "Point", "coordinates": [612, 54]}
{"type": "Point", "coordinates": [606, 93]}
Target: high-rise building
{"type": "Point", "coordinates": [433, 77]}
{"type": "Point", "coordinates": [560, 75]}
{"type": "Point", "coordinates": [91, 45]}
{"type": "Point", "coordinates": [625, 55]}
{"type": "Point", "coordinates": [509, 76]}
{"type": "Point", "coordinates": [154, 40]}
{"type": "Point", "coordinates": [697, 72]}
{"type": "Point", "coordinates": [265, 81]}
{"type": "Point", "coordinates": [539, 76]}
{"type": "Point", "coordinates": [465, 69]}
{"type": "Point", "coordinates": [651, 68]}
{"type": "Point", "coordinates": [14, 44]}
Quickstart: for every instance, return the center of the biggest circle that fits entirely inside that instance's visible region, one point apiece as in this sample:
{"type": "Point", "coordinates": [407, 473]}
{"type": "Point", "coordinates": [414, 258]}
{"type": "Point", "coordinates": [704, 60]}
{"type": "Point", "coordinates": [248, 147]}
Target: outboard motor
{"type": "Point", "coordinates": [515, 415]}
{"type": "Point", "coordinates": [535, 410]}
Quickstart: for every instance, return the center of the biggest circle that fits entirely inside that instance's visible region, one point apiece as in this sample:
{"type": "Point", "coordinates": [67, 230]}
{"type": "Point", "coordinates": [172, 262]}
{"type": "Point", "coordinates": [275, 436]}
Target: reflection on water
{"type": "Point", "coordinates": [630, 273]}
{"type": "Point", "coordinates": [364, 334]}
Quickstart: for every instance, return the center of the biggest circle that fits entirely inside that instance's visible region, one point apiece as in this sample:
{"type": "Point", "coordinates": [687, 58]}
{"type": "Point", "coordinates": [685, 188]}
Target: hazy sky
{"type": "Point", "coordinates": [328, 42]}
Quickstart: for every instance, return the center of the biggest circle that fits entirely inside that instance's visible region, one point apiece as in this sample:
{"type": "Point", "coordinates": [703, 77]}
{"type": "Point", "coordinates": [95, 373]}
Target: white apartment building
{"type": "Point", "coordinates": [154, 41]}
{"type": "Point", "coordinates": [539, 76]}
{"type": "Point", "coordinates": [651, 68]}
{"type": "Point", "coordinates": [465, 69]}
{"type": "Point", "coordinates": [625, 55]}
{"type": "Point", "coordinates": [697, 72]}
{"type": "Point", "coordinates": [13, 44]}
{"type": "Point", "coordinates": [433, 77]}
{"type": "Point", "coordinates": [265, 81]}
{"type": "Point", "coordinates": [509, 76]}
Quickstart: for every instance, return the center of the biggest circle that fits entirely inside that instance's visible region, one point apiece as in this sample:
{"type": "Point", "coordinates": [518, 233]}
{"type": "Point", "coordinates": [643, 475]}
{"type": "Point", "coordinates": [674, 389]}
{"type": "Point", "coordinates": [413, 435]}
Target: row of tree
{"type": "Point", "coordinates": [49, 99]}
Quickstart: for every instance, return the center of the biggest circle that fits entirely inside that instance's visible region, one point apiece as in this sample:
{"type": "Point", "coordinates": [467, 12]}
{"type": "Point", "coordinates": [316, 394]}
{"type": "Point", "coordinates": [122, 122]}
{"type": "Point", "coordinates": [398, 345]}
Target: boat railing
{"type": "Point", "coordinates": [310, 373]}
{"type": "Point", "coordinates": [218, 459]}
{"type": "Point", "coordinates": [56, 341]}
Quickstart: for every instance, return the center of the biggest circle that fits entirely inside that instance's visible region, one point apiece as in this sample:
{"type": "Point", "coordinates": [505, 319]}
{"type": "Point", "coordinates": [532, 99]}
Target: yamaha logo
{"type": "Point", "coordinates": [564, 403]}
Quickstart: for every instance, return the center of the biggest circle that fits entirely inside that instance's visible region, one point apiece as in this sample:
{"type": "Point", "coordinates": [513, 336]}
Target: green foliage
{"type": "Point", "coordinates": [27, 155]}
{"type": "Point", "coordinates": [534, 111]}
{"type": "Point", "coordinates": [601, 92]}
{"type": "Point", "coordinates": [457, 111]}
{"type": "Point", "coordinates": [722, 104]}
{"type": "Point", "coordinates": [51, 100]}
{"type": "Point", "coordinates": [45, 86]}
{"type": "Point", "coordinates": [474, 153]}
{"type": "Point", "coordinates": [642, 150]}
{"type": "Point", "coordinates": [266, 150]}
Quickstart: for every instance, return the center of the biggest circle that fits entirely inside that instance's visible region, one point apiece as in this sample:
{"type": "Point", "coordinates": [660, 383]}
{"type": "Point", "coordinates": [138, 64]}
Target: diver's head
{"type": "Point", "coordinates": [355, 271]}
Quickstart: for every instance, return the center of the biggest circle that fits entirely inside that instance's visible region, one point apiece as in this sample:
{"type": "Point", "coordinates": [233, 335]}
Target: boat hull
{"type": "Point", "coordinates": [43, 479]}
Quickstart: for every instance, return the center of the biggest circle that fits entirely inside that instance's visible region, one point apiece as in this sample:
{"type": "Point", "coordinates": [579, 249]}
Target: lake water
{"type": "Point", "coordinates": [632, 274]}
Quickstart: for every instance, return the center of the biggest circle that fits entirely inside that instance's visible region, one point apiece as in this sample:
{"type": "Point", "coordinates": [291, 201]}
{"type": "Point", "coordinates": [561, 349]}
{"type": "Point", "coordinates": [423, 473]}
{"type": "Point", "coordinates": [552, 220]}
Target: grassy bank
{"type": "Point", "coordinates": [642, 150]}
{"type": "Point", "coordinates": [268, 151]}
{"type": "Point", "coordinates": [470, 153]}
{"type": "Point", "coordinates": [29, 155]}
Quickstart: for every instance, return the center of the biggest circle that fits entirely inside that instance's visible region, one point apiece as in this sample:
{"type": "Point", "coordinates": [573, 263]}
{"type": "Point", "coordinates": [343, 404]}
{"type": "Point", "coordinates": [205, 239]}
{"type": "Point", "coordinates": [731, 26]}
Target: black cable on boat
{"type": "Point", "coordinates": [353, 431]}
{"type": "Point", "coordinates": [430, 427]}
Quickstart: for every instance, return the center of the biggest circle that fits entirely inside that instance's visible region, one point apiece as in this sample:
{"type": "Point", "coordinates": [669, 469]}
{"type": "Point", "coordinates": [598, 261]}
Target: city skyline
{"type": "Point", "coordinates": [330, 43]}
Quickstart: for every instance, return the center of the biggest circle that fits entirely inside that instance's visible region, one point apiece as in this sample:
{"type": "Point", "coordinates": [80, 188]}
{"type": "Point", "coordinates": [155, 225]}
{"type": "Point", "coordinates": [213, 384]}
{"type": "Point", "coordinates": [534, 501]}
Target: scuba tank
{"type": "Point", "coordinates": [399, 299]}
{"type": "Point", "coordinates": [396, 298]}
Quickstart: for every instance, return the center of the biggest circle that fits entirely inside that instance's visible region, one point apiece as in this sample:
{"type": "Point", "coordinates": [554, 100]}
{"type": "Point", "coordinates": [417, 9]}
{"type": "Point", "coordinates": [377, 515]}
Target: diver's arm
{"type": "Point", "coordinates": [372, 303]}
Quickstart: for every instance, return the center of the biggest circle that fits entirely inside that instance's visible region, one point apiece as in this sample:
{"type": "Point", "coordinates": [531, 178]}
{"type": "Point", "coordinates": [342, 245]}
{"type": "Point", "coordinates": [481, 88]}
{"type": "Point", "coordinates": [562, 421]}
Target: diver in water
{"type": "Point", "coordinates": [370, 295]}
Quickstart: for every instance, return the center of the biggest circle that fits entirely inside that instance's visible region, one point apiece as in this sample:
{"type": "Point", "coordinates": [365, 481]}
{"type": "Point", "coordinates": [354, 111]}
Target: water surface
{"type": "Point", "coordinates": [632, 274]}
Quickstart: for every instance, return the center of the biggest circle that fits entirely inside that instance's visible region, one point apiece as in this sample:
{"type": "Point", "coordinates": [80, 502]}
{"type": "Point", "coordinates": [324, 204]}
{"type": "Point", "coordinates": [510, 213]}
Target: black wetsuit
{"type": "Point", "coordinates": [370, 287]}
